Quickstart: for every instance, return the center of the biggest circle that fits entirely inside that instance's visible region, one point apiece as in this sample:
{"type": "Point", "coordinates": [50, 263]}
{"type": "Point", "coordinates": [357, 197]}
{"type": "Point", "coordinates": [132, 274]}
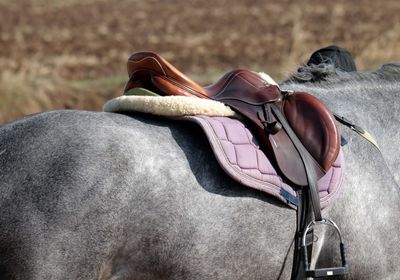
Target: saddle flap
{"type": "Point", "coordinates": [315, 126]}
{"type": "Point", "coordinates": [289, 160]}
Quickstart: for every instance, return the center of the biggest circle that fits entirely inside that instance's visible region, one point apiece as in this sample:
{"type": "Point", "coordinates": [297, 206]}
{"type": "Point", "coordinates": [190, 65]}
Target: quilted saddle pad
{"type": "Point", "coordinates": [239, 155]}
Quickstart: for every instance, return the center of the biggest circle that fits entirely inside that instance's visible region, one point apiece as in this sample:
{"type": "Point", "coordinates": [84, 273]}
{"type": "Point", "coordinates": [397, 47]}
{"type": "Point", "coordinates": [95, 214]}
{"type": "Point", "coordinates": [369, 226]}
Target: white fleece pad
{"type": "Point", "coordinates": [267, 78]}
{"type": "Point", "coordinates": [175, 106]}
{"type": "Point", "coordinates": [168, 106]}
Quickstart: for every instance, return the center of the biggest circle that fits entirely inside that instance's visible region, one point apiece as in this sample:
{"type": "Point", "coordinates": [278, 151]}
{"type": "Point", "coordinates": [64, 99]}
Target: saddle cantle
{"type": "Point", "coordinates": [250, 95]}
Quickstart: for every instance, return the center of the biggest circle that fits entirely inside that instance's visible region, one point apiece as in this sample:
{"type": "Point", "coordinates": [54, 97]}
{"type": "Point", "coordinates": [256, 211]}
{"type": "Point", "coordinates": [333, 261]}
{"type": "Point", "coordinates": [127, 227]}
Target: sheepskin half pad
{"type": "Point", "coordinates": [172, 106]}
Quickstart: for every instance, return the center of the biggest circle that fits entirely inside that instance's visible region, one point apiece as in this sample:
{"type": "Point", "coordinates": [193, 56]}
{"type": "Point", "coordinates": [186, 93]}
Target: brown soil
{"type": "Point", "coordinates": [47, 44]}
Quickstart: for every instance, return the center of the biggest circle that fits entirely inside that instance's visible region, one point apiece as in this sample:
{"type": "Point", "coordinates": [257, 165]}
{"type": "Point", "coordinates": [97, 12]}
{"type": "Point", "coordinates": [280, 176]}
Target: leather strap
{"type": "Point", "coordinates": [309, 202]}
{"type": "Point", "coordinates": [357, 129]}
{"type": "Point", "coordinates": [303, 218]}
{"type": "Point", "coordinates": [307, 161]}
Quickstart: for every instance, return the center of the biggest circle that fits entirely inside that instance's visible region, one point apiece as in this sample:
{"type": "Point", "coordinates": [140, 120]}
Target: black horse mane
{"type": "Point", "coordinates": [327, 72]}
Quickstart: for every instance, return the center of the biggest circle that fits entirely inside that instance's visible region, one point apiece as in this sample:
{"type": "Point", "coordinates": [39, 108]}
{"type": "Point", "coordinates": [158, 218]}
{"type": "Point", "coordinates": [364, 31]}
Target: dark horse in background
{"type": "Point", "coordinates": [88, 195]}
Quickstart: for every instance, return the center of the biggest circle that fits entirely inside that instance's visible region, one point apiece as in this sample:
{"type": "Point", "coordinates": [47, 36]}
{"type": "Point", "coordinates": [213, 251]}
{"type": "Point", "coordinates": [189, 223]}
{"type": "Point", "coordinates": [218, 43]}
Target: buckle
{"type": "Point", "coordinates": [330, 271]}
{"type": "Point", "coordinates": [271, 125]}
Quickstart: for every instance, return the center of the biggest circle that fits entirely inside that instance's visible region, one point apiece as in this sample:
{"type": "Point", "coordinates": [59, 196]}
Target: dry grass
{"type": "Point", "coordinates": [51, 50]}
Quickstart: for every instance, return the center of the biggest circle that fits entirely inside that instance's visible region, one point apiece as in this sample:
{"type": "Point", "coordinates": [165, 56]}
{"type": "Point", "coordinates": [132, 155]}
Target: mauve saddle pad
{"type": "Point", "coordinates": [238, 153]}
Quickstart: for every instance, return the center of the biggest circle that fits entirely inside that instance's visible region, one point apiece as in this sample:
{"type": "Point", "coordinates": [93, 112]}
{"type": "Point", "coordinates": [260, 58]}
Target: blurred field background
{"type": "Point", "coordinates": [72, 53]}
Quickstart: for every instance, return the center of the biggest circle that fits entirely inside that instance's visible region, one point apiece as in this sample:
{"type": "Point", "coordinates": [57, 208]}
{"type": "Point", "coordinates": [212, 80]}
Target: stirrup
{"type": "Point", "coordinates": [324, 272]}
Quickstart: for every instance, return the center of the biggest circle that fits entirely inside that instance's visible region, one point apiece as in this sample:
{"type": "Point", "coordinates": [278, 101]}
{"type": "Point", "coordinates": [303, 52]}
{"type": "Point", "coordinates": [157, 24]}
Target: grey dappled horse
{"type": "Point", "coordinates": [88, 195]}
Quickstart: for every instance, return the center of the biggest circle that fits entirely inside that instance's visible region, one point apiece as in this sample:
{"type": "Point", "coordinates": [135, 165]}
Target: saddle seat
{"type": "Point", "coordinates": [252, 96]}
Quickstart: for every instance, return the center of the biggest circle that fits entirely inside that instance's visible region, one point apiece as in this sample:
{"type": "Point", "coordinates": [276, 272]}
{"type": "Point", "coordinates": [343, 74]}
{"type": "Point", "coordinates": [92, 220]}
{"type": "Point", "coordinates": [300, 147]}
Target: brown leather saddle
{"type": "Point", "coordinates": [250, 95]}
{"type": "Point", "coordinates": [295, 129]}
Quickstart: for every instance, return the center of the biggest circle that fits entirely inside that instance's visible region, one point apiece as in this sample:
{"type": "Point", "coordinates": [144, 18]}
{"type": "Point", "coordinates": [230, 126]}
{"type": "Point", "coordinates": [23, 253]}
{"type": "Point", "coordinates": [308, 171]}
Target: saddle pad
{"type": "Point", "coordinates": [172, 106]}
{"type": "Point", "coordinates": [240, 156]}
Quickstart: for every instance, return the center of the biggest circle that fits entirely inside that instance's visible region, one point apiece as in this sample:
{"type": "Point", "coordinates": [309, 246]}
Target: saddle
{"type": "Point", "coordinates": [259, 101]}
{"type": "Point", "coordinates": [295, 129]}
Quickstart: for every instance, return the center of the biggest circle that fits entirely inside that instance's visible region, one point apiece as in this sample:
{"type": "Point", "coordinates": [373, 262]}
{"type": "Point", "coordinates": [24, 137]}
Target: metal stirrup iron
{"type": "Point", "coordinates": [324, 272]}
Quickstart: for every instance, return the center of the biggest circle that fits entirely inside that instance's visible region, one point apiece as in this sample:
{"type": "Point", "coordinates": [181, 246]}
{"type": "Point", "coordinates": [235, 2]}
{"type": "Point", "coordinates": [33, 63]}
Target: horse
{"type": "Point", "coordinates": [94, 195]}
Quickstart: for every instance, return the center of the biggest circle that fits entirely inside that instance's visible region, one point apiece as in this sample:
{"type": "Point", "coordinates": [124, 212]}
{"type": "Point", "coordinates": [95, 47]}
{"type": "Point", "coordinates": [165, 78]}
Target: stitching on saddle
{"type": "Point", "coordinates": [248, 82]}
{"type": "Point", "coordinates": [245, 176]}
{"type": "Point", "coordinates": [255, 150]}
{"type": "Point", "coordinates": [226, 134]}
{"type": "Point", "coordinates": [229, 80]}
{"type": "Point", "coordinates": [159, 64]}
{"type": "Point", "coordinates": [330, 180]}
{"type": "Point", "coordinates": [227, 139]}
{"type": "Point", "coordinates": [258, 162]}
{"type": "Point", "coordinates": [251, 143]}
{"type": "Point", "coordinates": [326, 199]}
{"type": "Point", "coordinates": [171, 80]}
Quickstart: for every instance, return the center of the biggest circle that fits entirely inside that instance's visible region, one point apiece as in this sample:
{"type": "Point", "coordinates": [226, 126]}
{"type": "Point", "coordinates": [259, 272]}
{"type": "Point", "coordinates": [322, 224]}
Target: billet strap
{"type": "Point", "coordinates": [365, 134]}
